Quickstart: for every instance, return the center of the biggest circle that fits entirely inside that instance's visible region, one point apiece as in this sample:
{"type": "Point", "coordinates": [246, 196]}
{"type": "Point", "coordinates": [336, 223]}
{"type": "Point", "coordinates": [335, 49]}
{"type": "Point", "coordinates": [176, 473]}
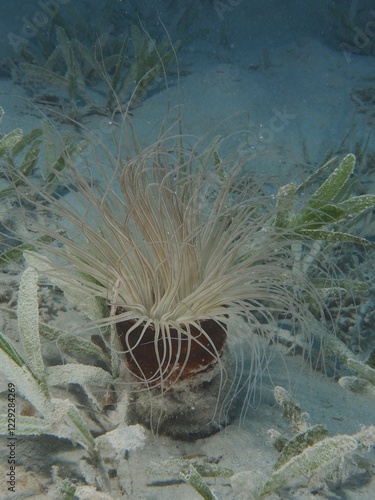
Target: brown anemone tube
{"type": "Point", "coordinates": [182, 375]}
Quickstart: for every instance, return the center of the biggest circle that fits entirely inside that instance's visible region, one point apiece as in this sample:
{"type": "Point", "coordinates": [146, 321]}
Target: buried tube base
{"type": "Point", "coordinates": [190, 409]}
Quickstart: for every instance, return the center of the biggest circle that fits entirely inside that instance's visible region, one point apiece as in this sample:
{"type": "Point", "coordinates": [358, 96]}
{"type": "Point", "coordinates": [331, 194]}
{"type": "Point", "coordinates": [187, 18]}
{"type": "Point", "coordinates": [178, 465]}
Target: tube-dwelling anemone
{"type": "Point", "coordinates": [183, 251]}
